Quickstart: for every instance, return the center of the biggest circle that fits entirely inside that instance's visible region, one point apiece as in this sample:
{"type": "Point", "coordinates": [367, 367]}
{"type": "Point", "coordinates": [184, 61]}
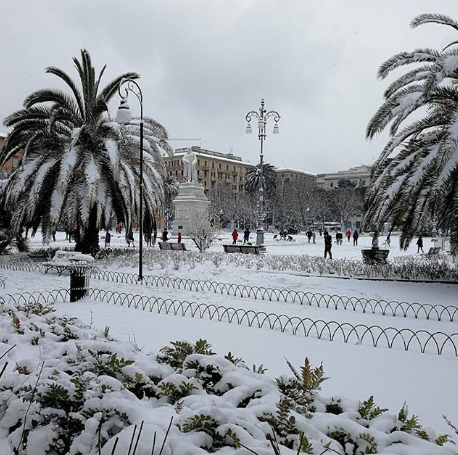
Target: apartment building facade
{"type": "Point", "coordinates": [12, 163]}
{"type": "Point", "coordinates": [360, 175]}
{"type": "Point", "coordinates": [214, 169]}
{"type": "Point", "coordinates": [287, 176]}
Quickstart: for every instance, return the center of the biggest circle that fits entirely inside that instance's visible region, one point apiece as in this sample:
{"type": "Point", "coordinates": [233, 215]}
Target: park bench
{"type": "Point", "coordinates": [169, 246]}
{"type": "Point", "coordinates": [41, 256]}
{"type": "Point", "coordinates": [66, 260]}
{"type": "Point", "coordinates": [244, 249]}
{"type": "Point", "coordinates": [434, 251]}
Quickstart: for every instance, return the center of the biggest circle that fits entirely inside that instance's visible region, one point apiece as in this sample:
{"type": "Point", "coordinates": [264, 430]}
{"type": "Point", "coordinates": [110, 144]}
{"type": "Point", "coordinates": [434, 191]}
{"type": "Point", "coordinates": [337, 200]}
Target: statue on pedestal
{"type": "Point", "coordinates": [189, 165]}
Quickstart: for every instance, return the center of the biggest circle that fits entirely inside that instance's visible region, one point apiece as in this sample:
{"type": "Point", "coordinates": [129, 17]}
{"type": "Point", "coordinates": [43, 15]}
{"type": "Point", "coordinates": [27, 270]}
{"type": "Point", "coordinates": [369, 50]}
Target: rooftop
{"type": "Point", "coordinates": [224, 156]}
{"type": "Point", "coordinates": [295, 171]}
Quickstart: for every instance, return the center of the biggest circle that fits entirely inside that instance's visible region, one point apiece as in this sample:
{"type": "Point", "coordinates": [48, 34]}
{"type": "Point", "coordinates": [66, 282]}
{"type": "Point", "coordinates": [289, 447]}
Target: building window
{"type": "Point", "coordinates": [182, 172]}
{"type": "Point", "coordinates": [227, 167]}
{"type": "Point", "coordinates": [198, 162]}
{"type": "Point", "coordinates": [205, 162]}
{"type": "Point", "coordinates": [219, 165]}
{"type": "Point", "coordinates": [213, 165]}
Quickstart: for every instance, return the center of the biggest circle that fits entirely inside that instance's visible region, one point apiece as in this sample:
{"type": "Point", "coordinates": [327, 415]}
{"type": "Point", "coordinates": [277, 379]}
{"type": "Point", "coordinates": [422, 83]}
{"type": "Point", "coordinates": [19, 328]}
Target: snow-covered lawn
{"type": "Point", "coordinates": [427, 382]}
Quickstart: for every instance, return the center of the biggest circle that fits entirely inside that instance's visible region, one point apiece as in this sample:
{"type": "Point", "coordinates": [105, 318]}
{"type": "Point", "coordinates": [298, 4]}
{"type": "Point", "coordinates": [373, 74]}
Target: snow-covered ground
{"type": "Point", "coordinates": [299, 245]}
{"type": "Point", "coordinates": [427, 382]}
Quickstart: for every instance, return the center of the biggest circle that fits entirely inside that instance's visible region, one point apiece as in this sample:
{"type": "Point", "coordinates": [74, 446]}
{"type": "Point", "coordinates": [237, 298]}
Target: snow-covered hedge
{"type": "Point", "coordinates": [443, 267]}
{"type": "Point", "coordinates": [429, 268]}
{"type": "Point", "coordinates": [66, 388]}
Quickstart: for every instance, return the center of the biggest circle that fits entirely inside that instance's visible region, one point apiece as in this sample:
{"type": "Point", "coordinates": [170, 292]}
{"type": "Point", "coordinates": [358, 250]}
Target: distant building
{"type": "Point", "coordinates": [214, 169]}
{"type": "Point", "coordinates": [12, 163]}
{"type": "Point", "coordinates": [360, 175]}
{"type": "Point", "coordinates": [287, 176]}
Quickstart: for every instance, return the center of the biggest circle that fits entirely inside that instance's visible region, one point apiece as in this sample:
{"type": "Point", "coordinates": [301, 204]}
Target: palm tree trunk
{"type": "Point", "coordinates": [88, 240]}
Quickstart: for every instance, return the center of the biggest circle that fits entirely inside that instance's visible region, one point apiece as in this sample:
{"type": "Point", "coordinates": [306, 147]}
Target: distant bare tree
{"type": "Point", "coordinates": [347, 202]}
{"type": "Point", "coordinates": [201, 233]}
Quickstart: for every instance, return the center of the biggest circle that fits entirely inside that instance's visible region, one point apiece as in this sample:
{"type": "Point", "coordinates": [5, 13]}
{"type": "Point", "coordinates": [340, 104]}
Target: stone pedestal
{"type": "Point", "coordinates": [191, 204]}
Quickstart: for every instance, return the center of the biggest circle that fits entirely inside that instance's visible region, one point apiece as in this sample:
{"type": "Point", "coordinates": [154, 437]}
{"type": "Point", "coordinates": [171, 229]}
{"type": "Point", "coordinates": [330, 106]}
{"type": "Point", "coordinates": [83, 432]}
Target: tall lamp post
{"type": "Point", "coordinates": [262, 118]}
{"type": "Point", "coordinates": [123, 116]}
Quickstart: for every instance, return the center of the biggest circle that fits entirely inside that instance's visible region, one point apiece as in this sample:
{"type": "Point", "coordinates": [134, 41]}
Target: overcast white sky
{"type": "Point", "coordinates": [205, 63]}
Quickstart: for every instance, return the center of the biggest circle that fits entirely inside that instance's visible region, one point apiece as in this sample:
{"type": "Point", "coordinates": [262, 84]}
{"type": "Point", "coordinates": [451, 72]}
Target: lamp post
{"type": "Point", "coordinates": [262, 118]}
{"type": "Point", "coordinates": [123, 116]}
{"type": "Point", "coordinates": [166, 220]}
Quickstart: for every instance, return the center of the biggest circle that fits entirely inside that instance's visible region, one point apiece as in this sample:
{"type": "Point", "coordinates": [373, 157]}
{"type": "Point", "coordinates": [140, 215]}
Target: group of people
{"type": "Point", "coordinates": [165, 236]}
{"type": "Point", "coordinates": [246, 236]}
{"type": "Point", "coordinates": [339, 240]}
{"type": "Point", "coordinates": [311, 236]}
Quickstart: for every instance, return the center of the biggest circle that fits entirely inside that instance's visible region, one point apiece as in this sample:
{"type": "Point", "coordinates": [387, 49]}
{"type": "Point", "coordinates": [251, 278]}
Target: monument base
{"type": "Point", "coordinates": [191, 206]}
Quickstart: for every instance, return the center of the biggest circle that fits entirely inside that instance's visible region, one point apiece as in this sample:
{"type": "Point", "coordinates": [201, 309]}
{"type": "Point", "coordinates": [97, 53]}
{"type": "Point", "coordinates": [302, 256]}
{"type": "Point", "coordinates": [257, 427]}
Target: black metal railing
{"type": "Point", "coordinates": [361, 334]}
{"type": "Point", "coordinates": [383, 307]}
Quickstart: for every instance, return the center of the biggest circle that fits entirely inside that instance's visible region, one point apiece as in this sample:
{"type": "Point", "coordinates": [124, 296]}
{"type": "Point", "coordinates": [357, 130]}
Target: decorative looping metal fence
{"type": "Point", "coordinates": [374, 306]}
{"type": "Point", "coordinates": [43, 297]}
{"type": "Point", "coordinates": [383, 307]}
{"type": "Point", "coordinates": [361, 334]}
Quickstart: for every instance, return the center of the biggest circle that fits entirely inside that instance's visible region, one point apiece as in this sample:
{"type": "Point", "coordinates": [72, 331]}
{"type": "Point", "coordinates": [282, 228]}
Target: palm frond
{"type": "Point", "coordinates": [407, 58]}
{"type": "Point", "coordinates": [69, 81]}
{"type": "Point", "coordinates": [428, 18]}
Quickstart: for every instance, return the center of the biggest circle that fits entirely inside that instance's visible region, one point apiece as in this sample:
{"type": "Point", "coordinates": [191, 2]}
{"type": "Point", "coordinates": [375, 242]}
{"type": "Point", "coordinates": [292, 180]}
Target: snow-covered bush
{"type": "Point", "coordinates": [417, 268]}
{"type": "Point", "coordinates": [66, 388]}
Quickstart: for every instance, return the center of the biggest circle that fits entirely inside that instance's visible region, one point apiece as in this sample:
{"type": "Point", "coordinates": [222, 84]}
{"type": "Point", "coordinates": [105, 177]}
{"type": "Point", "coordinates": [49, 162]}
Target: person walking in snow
{"type": "Point", "coordinates": [235, 236]}
{"type": "Point", "coordinates": [348, 234]}
{"type": "Point", "coordinates": [355, 238]}
{"type": "Point", "coordinates": [327, 244]}
{"type": "Point", "coordinates": [179, 237]}
{"type": "Point", "coordinates": [339, 238]}
{"type": "Point", "coordinates": [309, 235]}
{"type": "Point", "coordinates": [107, 239]}
{"type": "Point", "coordinates": [420, 244]}
{"type": "Point", "coordinates": [130, 239]}
{"type": "Point", "coordinates": [246, 235]}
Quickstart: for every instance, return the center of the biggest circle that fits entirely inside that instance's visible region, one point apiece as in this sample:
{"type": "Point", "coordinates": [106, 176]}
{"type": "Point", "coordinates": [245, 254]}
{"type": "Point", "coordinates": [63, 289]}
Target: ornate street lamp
{"type": "Point", "coordinates": [262, 117]}
{"type": "Point", "coordinates": [123, 116]}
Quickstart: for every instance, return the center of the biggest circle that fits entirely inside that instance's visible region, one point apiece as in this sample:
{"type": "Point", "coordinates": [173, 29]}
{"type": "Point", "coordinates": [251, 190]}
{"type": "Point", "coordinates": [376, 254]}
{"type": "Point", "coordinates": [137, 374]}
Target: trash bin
{"type": "Point", "coordinates": [79, 282]}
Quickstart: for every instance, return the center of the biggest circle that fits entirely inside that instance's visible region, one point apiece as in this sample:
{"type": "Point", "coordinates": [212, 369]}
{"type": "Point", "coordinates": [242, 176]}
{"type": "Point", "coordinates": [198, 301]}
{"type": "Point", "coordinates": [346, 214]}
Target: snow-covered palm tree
{"type": "Point", "coordinates": [269, 177]}
{"type": "Point", "coordinates": [416, 176]}
{"type": "Point", "coordinates": [78, 164]}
